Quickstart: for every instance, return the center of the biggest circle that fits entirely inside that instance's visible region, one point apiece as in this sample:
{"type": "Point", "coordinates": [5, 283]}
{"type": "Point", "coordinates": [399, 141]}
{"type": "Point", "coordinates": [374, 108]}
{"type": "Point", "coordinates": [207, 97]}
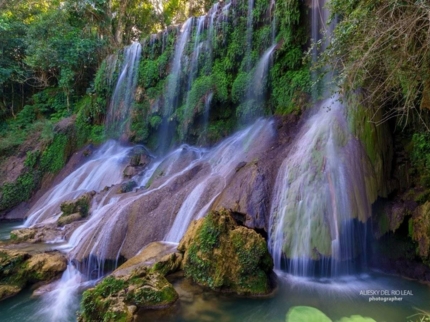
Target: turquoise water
{"type": "Point", "coordinates": [336, 299]}
{"type": "Point", "coordinates": [6, 228]}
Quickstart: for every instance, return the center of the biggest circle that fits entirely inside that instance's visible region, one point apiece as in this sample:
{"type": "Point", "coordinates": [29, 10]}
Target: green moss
{"type": "Point", "coordinates": [223, 256]}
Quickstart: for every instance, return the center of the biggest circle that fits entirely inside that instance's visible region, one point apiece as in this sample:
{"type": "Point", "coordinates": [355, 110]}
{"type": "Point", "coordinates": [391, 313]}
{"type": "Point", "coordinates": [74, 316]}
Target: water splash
{"type": "Point", "coordinates": [62, 302]}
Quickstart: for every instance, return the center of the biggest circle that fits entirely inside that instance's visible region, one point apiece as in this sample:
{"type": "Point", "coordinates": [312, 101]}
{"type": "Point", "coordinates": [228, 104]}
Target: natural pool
{"type": "Point", "coordinates": [336, 298]}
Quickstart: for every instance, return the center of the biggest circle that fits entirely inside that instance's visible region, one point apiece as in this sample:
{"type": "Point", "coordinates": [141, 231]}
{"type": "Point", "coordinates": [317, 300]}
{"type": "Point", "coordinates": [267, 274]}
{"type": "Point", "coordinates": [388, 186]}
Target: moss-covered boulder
{"type": "Point", "coordinates": [224, 256]}
{"type": "Point", "coordinates": [19, 269]}
{"type": "Point", "coordinates": [118, 298]}
{"type": "Point", "coordinates": [76, 209]}
{"type": "Point", "coordinates": [79, 205]}
{"type": "Point", "coordinates": [22, 235]}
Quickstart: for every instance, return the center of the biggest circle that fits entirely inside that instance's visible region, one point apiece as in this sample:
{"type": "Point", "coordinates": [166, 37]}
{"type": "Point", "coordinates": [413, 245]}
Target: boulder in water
{"type": "Point", "coordinates": [18, 269]}
{"type": "Point", "coordinates": [163, 257]}
{"type": "Point", "coordinates": [224, 256]}
{"type": "Point", "coordinates": [118, 298]}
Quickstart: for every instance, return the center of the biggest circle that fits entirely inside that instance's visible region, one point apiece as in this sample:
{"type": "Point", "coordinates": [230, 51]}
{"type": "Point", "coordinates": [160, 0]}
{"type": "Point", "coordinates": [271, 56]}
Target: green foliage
{"type": "Point", "coordinates": [53, 158]}
{"type": "Point", "coordinates": [20, 190]}
{"type": "Point", "coordinates": [381, 48]}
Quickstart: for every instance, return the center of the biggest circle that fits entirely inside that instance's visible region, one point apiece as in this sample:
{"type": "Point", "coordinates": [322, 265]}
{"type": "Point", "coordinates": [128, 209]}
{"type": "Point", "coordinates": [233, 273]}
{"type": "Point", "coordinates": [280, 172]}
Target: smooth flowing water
{"type": "Point", "coordinates": [6, 228]}
{"type": "Point", "coordinates": [119, 111]}
{"type": "Point", "coordinates": [103, 169]}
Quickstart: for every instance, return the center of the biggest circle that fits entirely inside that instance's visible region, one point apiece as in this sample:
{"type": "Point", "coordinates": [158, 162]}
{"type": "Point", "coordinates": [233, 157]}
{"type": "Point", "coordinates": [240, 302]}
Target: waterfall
{"type": "Point", "coordinates": [223, 160]}
{"type": "Point", "coordinates": [321, 198]}
{"type": "Point", "coordinates": [173, 85]}
{"type": "Point", "coordinates": [117, 119]}
{"type": "Point", "coordinates": [103, 169]}
{"type": "Point", "coordinates": [323, 192]}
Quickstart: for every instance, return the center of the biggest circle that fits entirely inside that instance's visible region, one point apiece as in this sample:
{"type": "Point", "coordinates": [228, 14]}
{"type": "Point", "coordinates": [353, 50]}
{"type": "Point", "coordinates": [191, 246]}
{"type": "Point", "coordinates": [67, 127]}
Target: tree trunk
{"type": "Point", "coordinates": [120, 22]}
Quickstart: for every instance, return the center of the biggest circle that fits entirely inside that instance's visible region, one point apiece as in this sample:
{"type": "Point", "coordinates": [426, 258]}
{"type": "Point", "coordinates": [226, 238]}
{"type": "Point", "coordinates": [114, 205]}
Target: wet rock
{"type": "Point", "coordinates": [162, 256]}
{"type": "Point", "coordinates": [46, 233]}
{"type": "Point", "coordinates": [118, 298]}
{"type": "Point", "coordinates": [79, 205]}
{"type": "Point", "coordinates": [248, 192]}
{"type": "Point", "coordinates": [226, 257]}
{"type": "Point", "coordinates": [127, 186]}
{"type": "Point", "coordinates": [19, 269]}
{"type": "Point", "coordinates": [130, 171]}
{"type": "Point", "coordinates": [21, 235]}
{"type": "Point", "coordinates": [65, 220]}
{"type": "Point", "coordinates": [139, 157]}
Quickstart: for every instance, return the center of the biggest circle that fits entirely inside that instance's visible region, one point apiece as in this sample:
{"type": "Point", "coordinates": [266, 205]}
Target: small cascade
{"type": "Point", "coordinates": [324, 191]}
{"type": "Point", "coordinates": [103, 169]}
{"type": "Point", "coordinates": [123, 96]}
{"type": "Point", "coordinates": [223, 160]}
{"type": "Point", "coordinates": [173, 86]}
{"type": "Point", "coordinates": [255, 96]}
{"type": "Point", "coordinates": [193, 69]}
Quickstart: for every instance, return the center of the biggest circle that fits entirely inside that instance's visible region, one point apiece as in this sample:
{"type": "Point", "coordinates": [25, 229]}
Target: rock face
{"type": "Point", "coordinates": [118, 298]}
{"type": "Point", "coordinates": [18, 269]}
{"type": "Point", "coordinates": [224, 256]}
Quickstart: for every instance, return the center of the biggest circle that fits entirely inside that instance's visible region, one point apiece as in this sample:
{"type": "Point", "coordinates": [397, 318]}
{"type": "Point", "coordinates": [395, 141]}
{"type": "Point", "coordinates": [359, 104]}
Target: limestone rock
{"type": "Point", "coordinates": [248, 193]}
{"type": "Point", "coordinates": [118, 298]}
{"type": "Point", "coordinates": [224, 256]}
{"type": "Point", "coordinates": [65, 220]}
{"type": "Point", "coordinates": [159, 254]}
{"type": "Point", "coordinates": [21, 235]}
{"type": "Point", "coordinates": [19, 268]}
{"type": "Point", "coordinates": [7, 291]}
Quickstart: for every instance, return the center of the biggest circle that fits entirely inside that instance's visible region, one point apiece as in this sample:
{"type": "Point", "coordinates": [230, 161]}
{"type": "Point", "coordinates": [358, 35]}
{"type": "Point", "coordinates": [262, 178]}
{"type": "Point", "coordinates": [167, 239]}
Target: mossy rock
{"type": "Point", "coordinates": [65, 220]}
{"type": "Point", "coordinates": [79, 205]}
{"type": "Point", "coordinates": [7, 291]}
{"type": "Point", "coordinates": [306, 313]}
{"type": "Point", "coordinates": [22, 235]}
{"type": "Point", "coordinates": [226, 257]}
{"type": "Point", "coordinates": [19, 269]}
{"type": "Point", "coordinates": [117, 298]}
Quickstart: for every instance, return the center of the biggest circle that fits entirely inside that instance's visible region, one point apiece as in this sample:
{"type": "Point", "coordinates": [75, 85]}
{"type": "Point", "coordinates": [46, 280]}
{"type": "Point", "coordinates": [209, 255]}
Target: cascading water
{"type": "Point", "coordinates": [324, 190]}
{"type": "Point", "coordinates": [171, 95]}
{"type": "Point", "coordinates": [222, 160]}
{"type": "Point", "coordinates": [123, 96]}
{"type": "Point", "coordinates": [103, 169]}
